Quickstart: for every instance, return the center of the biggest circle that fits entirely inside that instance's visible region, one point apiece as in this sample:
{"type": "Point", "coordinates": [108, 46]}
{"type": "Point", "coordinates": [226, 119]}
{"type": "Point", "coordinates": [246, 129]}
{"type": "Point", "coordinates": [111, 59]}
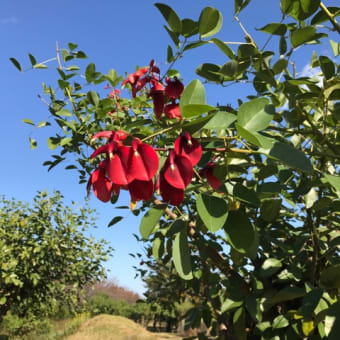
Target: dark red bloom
{"type": "Point", "coordinates": [208, 173]}
{"type": "Point", "coordinates": [102, 186]}
{"type": "Point", "coordinates": [142, 163]}
{"type": "Point", "coordinates": [134, 80]}
{"type": "Point", "coordinates": [189, 147]}
{"type": "Point", "coordinates": [172, 111]}
{"type": "Point", "coordinates": [141, 190]}
{"type": "Point", "coordinates": [177, 170]}
{"type": "Point", "coordinates": [174, 88]}
{"type": "Point", "coordinates": [157, 94]}
{"type": "Point", "coordinates": [110, 135]}
{"type": "Point", "coordinates": [169, 193]}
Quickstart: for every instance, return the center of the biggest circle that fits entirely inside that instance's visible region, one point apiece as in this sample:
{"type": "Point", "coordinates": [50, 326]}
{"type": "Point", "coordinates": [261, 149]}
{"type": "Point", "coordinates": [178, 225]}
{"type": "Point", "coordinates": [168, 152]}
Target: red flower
{"type": "Point", "coordinates": [134, 80]}
{"type": "Point", "coordinates": [102, 186]}
{"type": "Point", "coordinates": [169, 193]}
{"type": "Point", "coordinates": [189, 147]}
{"type": "Point", "coordinates": [110, 135]}
{"type": "Point", "coordinates": [208, 173]}
{"type": "Point", "coordinates": [141, 190]}
{"type": "Point", "coordinates": [174, 88]}
{"type": "Point", "coordinates": [142, 162]}
{"type": "Point", "coordinates": [157, 94]}
{"type": "Point", "coordinates": [172, 111]}
{"type": "Point", "coordinates": [177, 170]}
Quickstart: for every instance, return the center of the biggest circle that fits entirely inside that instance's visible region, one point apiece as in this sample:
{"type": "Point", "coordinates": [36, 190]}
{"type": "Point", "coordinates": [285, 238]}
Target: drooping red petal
{"type": "Point", "coordinates": [178, 171]}
{"type": "Point", "coordinates": [141, 190]}
{"type": "Point", "coordinates": [102, 187]}
{"type": "Point", "coordinates": [214, 181]}
{"type": "Point", "coordinates": [116, 170]}
{"type": "Point", "coordinates": [103, 134]}
{"type": "Point", "coordinates": [150, 159]}
{"type": "Point", "coordinates": [172, 111]}
{"type": "Point", "coordinates": [101, 149]}
{"type": "Point", "coordinates": [174, 88]}
{"type": "Point", "coordinates": [170, 194]}
{"type": "Point", "coordinates": [187, 146]}
{"type": "Point", "coordinates": [158, 103]}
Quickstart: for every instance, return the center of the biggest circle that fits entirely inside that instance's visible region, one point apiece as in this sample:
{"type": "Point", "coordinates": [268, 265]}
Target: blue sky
{"type": "Point", "coordinates": [114, 34]}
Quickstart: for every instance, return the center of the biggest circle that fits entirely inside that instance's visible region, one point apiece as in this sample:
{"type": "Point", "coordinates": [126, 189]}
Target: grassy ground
{"type": "Point", "coordinates": [109, 327]}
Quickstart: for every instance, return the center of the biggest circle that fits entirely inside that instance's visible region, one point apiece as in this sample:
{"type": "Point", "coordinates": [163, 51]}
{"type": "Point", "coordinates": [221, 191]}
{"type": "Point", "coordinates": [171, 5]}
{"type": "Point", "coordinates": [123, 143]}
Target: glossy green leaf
{"type": "Point", "coordinates": [274, 28]}
{"type": "Point", "coordinates": [223, 47]}
{"type": "Point", "coordinates": [239, 324]}
{"type": "Point", "coordinates": [288, 155]}
{"type": "Point", "coordinates": [189, 27]}
{"type": "Point", "coordinates": [302, 35]}
{"type": "Point", "coordinates": [330, 277]}
{"type": "Point", "coordinates": [115, 220]}
{"type": "Point", "coordinates": [212, 210]}
{"type": "Point", "coordinates": [52, 143]}
{"type": "Point", "coordinates": [334, 181]}
{"type": "Point", "coordinates": [270, 209]}
{"type": "Point", "coordinates": [220, 120]}
{"type": "Point", "coordinates": [65, 141]}
{"type": "Point", "coordinates": [310, 302]}
{"type": "Point", "coordinates": [246, 195]}
{"type": "Point", "coordinates": [191, 110]}
{"type": "Point", "coordinates": [42, 66]}
{"type": "Point", "coordinates": [327, 67]}
{"type": "Point", "coordinates": [270, 267]}
{"type": "Point", "coordinates": [181, 255]}
{"type": "Point", "coordinates": [170, 16]}
{"type": "Point", "coordinates": [32, 59]}
{"type": "Point", "coordinates": [157, 248]}
{"type": "Point", "coordinates": [176, 227]}
{"type": "Point", "coordinates": [64, 113]}
{"type": "Point", "coordinates": [33, 143]}
{"type": "Point", "coordinates": [93, 98]}
{"type": "Point", "coordinates": [321, 16]}
{"type": "Point", "coordinates": [150, 219]}
{"type": "Point", "coordinates": [255, 137]}
{"type": "Point", "coordinates": [335, 48]}
{"type": "Point", "coordinates": [229, 304]}
{"type": "Point", "coordinates": [240, 231]}
{"type": "Point", "coordinates": [210, 72]}
{"type": "Point", "coordinates": [27, 121]}
{"type": "Point", "coordinates": [280, 322]}
{"type": "Point", "coordinates": [230, 68]}
{"type": "Point", "coordinates": [332, 324]}
{"type": "Point", "coordinates": [256, 114]}
{"type": "Point", "coordinates": [210, 22]}
{"type": "Point", "coordinates": [16, 64]}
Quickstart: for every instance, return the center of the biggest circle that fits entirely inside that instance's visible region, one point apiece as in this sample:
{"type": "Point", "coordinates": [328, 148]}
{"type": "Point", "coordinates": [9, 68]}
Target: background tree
{"type": "Point", "coordinates": [45, 258]}
{"type": "Point", "coordinates": [252, 190]}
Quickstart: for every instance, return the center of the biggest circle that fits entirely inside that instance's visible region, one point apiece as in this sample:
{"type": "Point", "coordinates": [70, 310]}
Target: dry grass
{"type": "Point", "coordinates": [109, 327]}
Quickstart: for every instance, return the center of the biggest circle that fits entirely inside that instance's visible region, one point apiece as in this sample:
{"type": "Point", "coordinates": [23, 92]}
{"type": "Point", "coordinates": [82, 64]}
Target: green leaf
{"type": "Point", "coordinates": [181, 255]}
{"type": "Point", "coordinates": [256, 114]}
{"type": "Point", "coordinates": [191, 110]}
{"type": "Point", "coordinates": [210, 22]}
{"type": "Point", "coordinates": [170, 16]}
{"type": "Point", "coordinates": [308, 7]}
{"type": "Point", "coordinates": [246, 195]}
{"type": "Point", "coordinates": [270, 267]}
{"type": "Point", "coordinates": [212, 210]}
{"type": "Point", "coordinates": [170, 55]}
{"type": "Point", "coordinates": [239, 324]}
{"type": "Point", "coordinates": [280, 322]}
{"type": "Point", "coordinates": [157, 248]}
{"type": "Point", "coordinates": [330, 277]}
{"type": "Point", "coordinates": [321, 16]}
{"type": "Point", "coordinates": [176, 227]}
{"type": "Point", "coordinates": [302, 35]}
{"type": "Point", "coordinates": [189, 27]}
{"type": "Point", "coordinates": [150, 219]}
{"type": "Point", "coordinates": [65, 141]}
{"type": "Point", "coordinates": [327, 67]}
{"type": "Point", "coordinates": [229, 304]}
{"type": "Point", "coordinates": [33, 143]}
{"type": "Point", "coordinates": [64, 113]}
{"type": "Point", "coordinates": [332, 322]}
{"type": "Point", "coordinates": [43, 124]}
{"type": "Point", "coordinates": [333, 181]}
{"type": "Point", "coordinates": [223, 47]}
{"type": "Point", "coordinates": [115, 220]}
{"type": "Point", "coordinates": [310, 302]}
{"type": "Point", "coordinates": [335, 47]}
{"type": "Point", "coordinates": [52, 144]}
{"type": "Point", "coordinates": [230, 68]}
{"type": "Point", "coordinates": [40, 66]}
{"type": "Point", "coordinates": [210, 72]}
{"type": "Point", "coordinates": [287, 154]}
{"type": "Point", "coordinates": [240, 231]}
{"type": "Point", "coordinates": [93, 98]}
{"type": "Point", "coordinates": [194, 45]}
{"type": "Point", "coordinates": [194, 95]}
{"type": "Point", "coordinates": [72, 46]}
{"type": "Point", "coordinates": [27, 121]}
{"type": "Point", "coordinates": [16, 64]}
{"type": "Point", "coordinates": [32, 59]}
{"type": "Point", "coordinates": [270, 209]}
{"type": "Point", "coordinates": [287, 293]}
{"type": "Point", "coordinates": [220, 120]}
{"type": "Point", "coordinates": [275, 28]}
{"type": "Point", "coordinates": [255, 137]}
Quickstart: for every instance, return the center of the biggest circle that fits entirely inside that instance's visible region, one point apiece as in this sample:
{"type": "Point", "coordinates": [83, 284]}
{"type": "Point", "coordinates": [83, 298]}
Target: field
{"type": "Point", "coordinates": [111, 327]}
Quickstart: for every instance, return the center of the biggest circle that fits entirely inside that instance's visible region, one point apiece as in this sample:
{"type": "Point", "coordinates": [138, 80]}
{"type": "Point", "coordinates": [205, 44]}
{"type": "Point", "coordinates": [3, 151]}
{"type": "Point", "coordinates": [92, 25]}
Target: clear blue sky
{"type": "Point", "coordinates": [114, 34]}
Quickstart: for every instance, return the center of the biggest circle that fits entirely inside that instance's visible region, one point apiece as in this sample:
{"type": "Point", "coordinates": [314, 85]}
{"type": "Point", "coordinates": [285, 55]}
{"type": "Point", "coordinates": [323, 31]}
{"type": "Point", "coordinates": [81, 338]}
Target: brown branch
{"type": "Point", "coordinates": [330, 17]}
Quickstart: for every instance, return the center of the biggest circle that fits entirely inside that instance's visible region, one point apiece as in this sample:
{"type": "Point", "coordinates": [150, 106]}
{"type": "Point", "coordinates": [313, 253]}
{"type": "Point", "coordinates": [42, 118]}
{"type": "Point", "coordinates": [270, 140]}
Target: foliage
{"type": "Point", "coordinates": [45, 258]}
{"type": "Point", "coordinates": [255, 223]}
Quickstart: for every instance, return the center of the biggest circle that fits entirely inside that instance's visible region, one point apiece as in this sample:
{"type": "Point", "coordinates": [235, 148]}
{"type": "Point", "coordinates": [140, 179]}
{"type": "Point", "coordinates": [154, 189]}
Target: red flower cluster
{"type": "Point", "coordinates": [177, 171]}
{"type": "Point", "coordinates": [208, 173]}
{"type": "Point", "coordinates": [127, 167]}
{"type": "Point", "coordinates": [163, 96]}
